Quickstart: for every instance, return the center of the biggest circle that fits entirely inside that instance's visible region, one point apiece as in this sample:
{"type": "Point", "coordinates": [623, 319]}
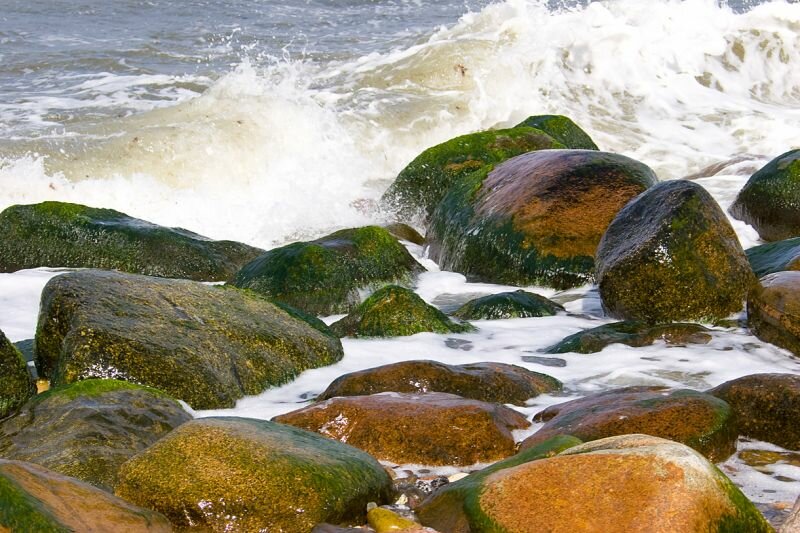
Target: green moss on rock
{"type": "Point", "coordinates": [773, 310]}
{"type": "Point", "coordinates": [775, 257]}
{"type": "Point", "coordinates": [516, 304]}
{"type": "Point", "coordinates": [634, 334]}
{"type": "Point", "coordinates": [561, 129]}
{"type": "Point", "coordinates": [16, 384]}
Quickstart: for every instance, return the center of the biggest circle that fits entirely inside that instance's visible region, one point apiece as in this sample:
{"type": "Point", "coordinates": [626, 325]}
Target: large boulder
{"type": "Point", "coordinates": [535, 219]}
{"type": "Point", "coordinates": [394, 311]}
{"type": "Point", "coordinates": [770, 200]}
{"type": "Point", "coordinates": [699, 420]}
{"type": "Point", "coordinates": [635, 334]}
{"type": "Point", "coordinates": [206, 345]}
{"type": "Point", "coordinates": [671, 255]}
{"type": "Point", "coordinates": [16, 384]}
{"type": "Point", "coordinates": [516, 304]}
{"type": "Point", "coordinates": [562, 129]}
{"type": "Point", "coordinates": [57, 234]}
{"type": "Point", "coordinates": [86, 430]}
{"type": "Point", "coordinates": [773, 310]}
{"type": "Point", "coordinates": [325, 276]}
{"type": "Point", "coordinates": [767, 407]}
{"type": "Point", "coordinates": [240, 474]}
{"type": "Point", "coordinates": [34, 499]}
{"type": "Point", "coordinates": [487, 382]}
{"type": "Point", "coordinates": [432, 428]}
{"type": "Point", "coordinates": [775, 257]}
{"type": "Point", "coordinates": [634, 483]}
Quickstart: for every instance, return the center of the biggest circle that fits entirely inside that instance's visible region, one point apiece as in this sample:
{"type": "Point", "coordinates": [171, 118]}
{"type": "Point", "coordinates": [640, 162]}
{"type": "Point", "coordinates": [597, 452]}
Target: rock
{"type": "Point", "coordinates": [775, 257]}
{"type": "Point", "coordinates": [394, 312]}
{"type": "Point", "coordinates": [773, 310]}
{"type": "Point", "coordinates": [767, 407]}
{"type": "Point", "coordinates": [383, 521]}
{"type": "Point", "coordinates": [240, 474]}
{"type": "Point", "coordinates": [487, 382]}
{"type": "Point", "coordinates": [535, 219]}
{"type": "Point", "coordinates": [792, 523]}
{"type": "Point", "coordinates": [561, 129]}
{"type": "Point", "coordinates": [699, 420]}
{"type": "Point", "coordinates": [16, 384]}
{"type": "Point", "coordinates": [633, 483]}
{"type": "Point", "coordinates": [420, 186]}
{"type": "Point", "coordinates": [634, 334]}
{"type": "Point", "coordinates": [324, 276]}
{"type": "Point", "coordinates": [670, 256]}
{"type": "Point", "coordinates": [86, 430]}
{"type": "Point", "coordinates": [404, 232]}
{"type": "Point", "coordinates": [516, 304]}
{"type": "Point", "coordinates": [431, 429]}
{"type": "Point", "coordinates": [58, 234]}
{"type": "Point", "coordinates": [206, 345]}
{"type": "Point", "coordinates": [770, 200]}
{"type": "Point", "coordinates": [33, 499]}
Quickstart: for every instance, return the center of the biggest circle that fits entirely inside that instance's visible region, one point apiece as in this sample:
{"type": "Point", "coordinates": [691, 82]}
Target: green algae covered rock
{"type": "Point", "coordinates": [561, 129]}
{"type": "Point", "coordinates": [774, 257]}
{"type": "Point", "coordinates": [394, 312]}
{"type": "Point", "coordinates": [404, 232]}
{"type": "Point", "coordinates": [57, 234]}
{"type": "Point", "coordinates": [423, 183]}
{"type": "Point", "coordinates": [324, 276]}
{"type": "Point", "coordinates": [34, 499]}
{"type": "Point", "coordinates": [516, 304]}
{"type": "Point", "coordinates": [770, 200]}
{"type": "Point", "coordinates": [535, 219]}
{"type": "Point", "coordinates": [16, 384]}
{"type": "Point", "coordinates": [86, 430]}
{"type": "Point", "coordinates": [773, 310]}
{"type": "Point", "coordinates": [206, 345]}
{"type": "Point", "coordinates": [239, 474]}
{"type": "Point", "coordinates": [634, 334]}
{"type": "Point", "coordinates": [670, 256]}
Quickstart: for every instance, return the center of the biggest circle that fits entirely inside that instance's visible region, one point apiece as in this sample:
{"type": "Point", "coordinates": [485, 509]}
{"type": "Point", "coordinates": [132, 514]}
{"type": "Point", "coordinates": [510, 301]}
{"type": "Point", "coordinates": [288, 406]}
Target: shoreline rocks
{"type": "Point", "coordinates": [16, 383]}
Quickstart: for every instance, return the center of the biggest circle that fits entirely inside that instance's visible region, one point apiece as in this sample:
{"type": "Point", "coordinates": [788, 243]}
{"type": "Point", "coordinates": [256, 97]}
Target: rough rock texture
{"type": "Point", "coordinates": [516, 304]}
{"type": "Point", "coordinates": [86, 430]}
{"type": "Point", "coordinates": [394, 311]}
{"type": "Point", "coordinates": [699, 420]}
{"type": "Point", "coordinates": [33, 499]}
{"type": "Point", "coordinates": [206, 345]}
{"type": "Point", "coordinates": [770, 200]}
{"type": "Point", "coordinates": [58, 234]}
{"type": "Point", "coordinates": [773, 310]}
{"type": "Point", "coordinates": [432, 428]}
{"type": "Point", "coordinates": [767, 407]}
{"type": "Point", "coordinates": [634, 334]}
{"type": "Point", "coordinates": [671, 255]}
{"type": "Point", "coordinates": [561, 129]}
{"type": "Point", "coordinates": [324, 276]}
{"type": "Point", "coordinates": [775, 257]}
{"type": "Point", "coordinates": [535, 219]}
{"type": "Point", "coordinates": [240, 474]}
{"type": "Point", "coordinates": [16, 384]}
{"type": "Point", "coordinates": [487, 382]}
{"type": "Point", "coordinates": [792, 523]}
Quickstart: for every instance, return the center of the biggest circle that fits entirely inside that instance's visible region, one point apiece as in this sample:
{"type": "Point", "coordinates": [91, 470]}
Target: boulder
{"type": "Point", "coordinates": [699, 420]}
{"type": "Point", "coordinates": [792, 523]}
{"type": "Point", "coordinates": [487, 382]}
{"type": "Point", "coordinates": [206, 345]}
{"type": "Point", "coordinates": [773, 310]}
{"type": "Point", "coordinates": [770, 200]}
{"type": "Point", "coordinates": [394, 311]}
{"type": "Point", "coordinates": [671, 255]}
{"type": "Point", "coordinates": [239, 474]}
{"type": "Point", "coordinates": [404, 232]}
{"type": "Point", "coordinates": [561, 129]}
{"type": "Point", "coordinates": [432, 428]}
{"type": "Point", "coordinates": [774, 257]}
{"type": "Point", "coordinates": [324, 276]}
{"type": "Point", "coordinates": [58, 234]}
{"type": "Point", "coordinates": [86, 430]}
{"type": "Point", "coordinates": [16, 383]}
{"type": "Point", "coordinates": [767, 407]}
{"type": "Point", "coordinates": [34, 499]}
{"type": "Point", "coordinates": [516, 304]}
{"type": "Point", "coordinates": [634, 334]}
{"type": "Point", "coordinates": [535, 219]}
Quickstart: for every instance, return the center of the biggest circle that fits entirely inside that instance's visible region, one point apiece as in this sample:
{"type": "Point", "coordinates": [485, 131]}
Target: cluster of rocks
{"type": "Point", "coordinates": [135, 332]}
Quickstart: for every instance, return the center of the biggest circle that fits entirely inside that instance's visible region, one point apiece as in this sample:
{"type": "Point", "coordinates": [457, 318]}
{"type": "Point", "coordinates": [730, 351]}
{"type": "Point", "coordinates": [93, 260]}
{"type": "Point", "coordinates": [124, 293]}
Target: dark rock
{"type": "Point", "coordinates": [561, 129]}
{"type": "Point", "coordinates": [16, 384]}
{"type": "Point", "coordinates": [775, 257]}
{"type": "Point", "coordinates": [404, 232]}
{"type": "Point", "coordinates": [773, 310]}
{"type": "Point", "coordinates": [545, 361]}
{"type": "Point", "coordinates": [516, 304]}
{"type": "Point", "coordinates": [634, 334]}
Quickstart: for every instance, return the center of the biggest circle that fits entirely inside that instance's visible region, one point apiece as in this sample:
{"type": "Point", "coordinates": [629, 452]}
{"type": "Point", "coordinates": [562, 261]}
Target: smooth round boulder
{"type": "Point", "coordinates": [635, 334]}
{"type": "Point", "coordinates": [431, 429]}
{"type": "Point", "coordinates": [562, 129]}
{"type": "Point", "coordinates": [404, 232]}
{"type": "Point", "coordinates": [774, 257]}
{"type": "Point", "coordinates": [535, 219]}
{"type": "Point", "coordinates": [770, 200]}
{"type": "Point", "coordinates": [240, 474]}
{"type": "Point", "coordinates": [487, 382]}
{"type": "Point", "coordinates": [16, 383]}
{"type": "Point", "coordinates": [773, 310]}
{"type": "Point", "coordinates": [515, 304]}
{"type": "Point", "coordinates": [670, 256]}
{"type": "Point", "coordinates": [698, 420]}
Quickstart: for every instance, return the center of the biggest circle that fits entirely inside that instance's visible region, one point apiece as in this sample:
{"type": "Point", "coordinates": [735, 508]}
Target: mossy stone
{"type": "Point", "coordinates": [58, 234]}
{"type": "Point", "coordinates": [384, 521]}
{"type": "Point", "coordinates": [535, 219]}
{"type": "Point", "coordinates": [394, 311]}
{"type": "Point", "coordinates": [516, 304]}
{"type": "Point", "coordinates": [562, 129]}
{"type": "Point", "coordinates": [206, 345]}
{"type": "Point", "coordinates": [324, 276]}
{"type": "Point", "coordinates": [16, 383]}
{"type": "Point", "coordinates": [774, 257]}
{"type": "Point", "coordinates": [404, 232]}
{"type": "Point", "coordinates": [86, 430]}
{"type": "Point", "coordinates": [240, 474]}
{"type": "Point", "coordinates": [773, 310]}
{"type": "Point", "coordinates": [671, 255]}
{"type": "Point", "coordinates": [634, 334]}
{"type": "Point", "coordinates": [770, 200]}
